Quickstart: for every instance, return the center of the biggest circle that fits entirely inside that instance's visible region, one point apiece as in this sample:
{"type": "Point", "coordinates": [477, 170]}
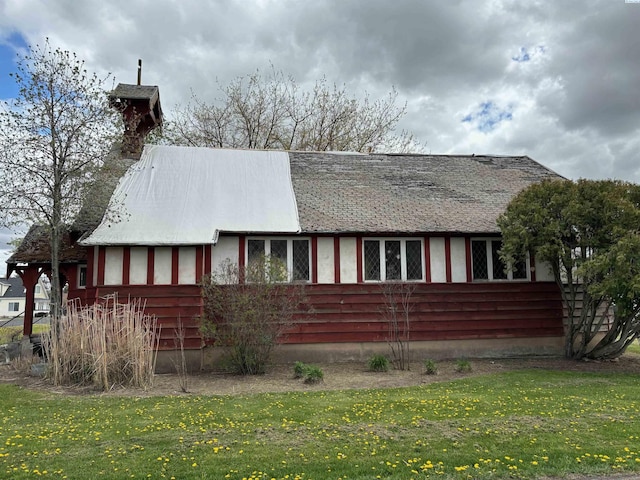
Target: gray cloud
{"type": "Point", "coordinates": [560, 76]}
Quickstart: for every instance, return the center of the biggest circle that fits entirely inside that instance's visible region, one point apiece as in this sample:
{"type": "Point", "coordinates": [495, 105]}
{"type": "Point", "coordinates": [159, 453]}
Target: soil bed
{"type": "Point", "coordinates": [337, 376]}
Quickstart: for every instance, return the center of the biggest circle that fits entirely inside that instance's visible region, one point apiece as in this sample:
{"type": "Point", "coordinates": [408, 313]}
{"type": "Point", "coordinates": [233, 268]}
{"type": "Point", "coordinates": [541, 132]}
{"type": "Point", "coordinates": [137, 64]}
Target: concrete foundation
{"type": "Point", "coordinates": [210, 358]}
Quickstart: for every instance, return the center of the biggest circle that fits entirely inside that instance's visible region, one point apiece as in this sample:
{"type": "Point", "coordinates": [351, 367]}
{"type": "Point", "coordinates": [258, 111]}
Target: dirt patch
{"type": "Point", "coordinates": [337, 376]}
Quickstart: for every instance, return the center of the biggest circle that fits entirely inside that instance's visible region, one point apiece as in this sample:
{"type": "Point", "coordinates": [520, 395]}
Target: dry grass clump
{"type": "Point", "coordinates": [106, 344]}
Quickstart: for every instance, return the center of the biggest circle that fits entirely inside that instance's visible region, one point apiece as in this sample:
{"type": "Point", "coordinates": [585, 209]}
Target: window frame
{"type": "Point", "coordinates": [489, 256]}
{"type": "Point", "coordinates": [403, 259]}
{"type": "Point", "coordinates": [267, 251]}
{"type": "Point", "coordinates": [14, 304]}
{"type": "Point", "coordinates": [79, 282]}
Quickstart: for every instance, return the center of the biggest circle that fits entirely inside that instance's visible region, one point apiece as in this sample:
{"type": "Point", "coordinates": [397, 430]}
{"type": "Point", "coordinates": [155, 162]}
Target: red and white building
{"type": "Point", "coordinates": [342, 222]}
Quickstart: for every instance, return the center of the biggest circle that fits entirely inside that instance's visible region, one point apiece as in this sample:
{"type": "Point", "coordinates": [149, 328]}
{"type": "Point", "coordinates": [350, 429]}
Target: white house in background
{"type": "Point", "coordinates": [13, 297]}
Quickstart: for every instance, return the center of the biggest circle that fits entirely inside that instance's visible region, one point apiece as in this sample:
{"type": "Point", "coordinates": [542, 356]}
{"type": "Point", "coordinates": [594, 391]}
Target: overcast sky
{"type": "Point", "coordinates": [558, 81]}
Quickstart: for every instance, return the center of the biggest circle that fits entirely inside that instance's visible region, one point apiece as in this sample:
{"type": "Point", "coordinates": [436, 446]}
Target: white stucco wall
{"type": "Point", "coordinates": [225, 250]}
{"type": "Point", "coordinates": [326, 270]}
{"type": "Point", "coordinates": [458, 260]}
{"type": "Point", "coordinates": [187, 266]}
{"type": "Point", "coordinates": [162, 266]}
{"type": "Point", "coordinates": [348, 263]}
{"type": "Point", "coordinates": [437, 260]}
{"type": "Point", "coordinates": [543, 272]}
{"type": "Point", "coordinates": [138, 266]}
{"type": "Point", "coordinates": [113, 265]}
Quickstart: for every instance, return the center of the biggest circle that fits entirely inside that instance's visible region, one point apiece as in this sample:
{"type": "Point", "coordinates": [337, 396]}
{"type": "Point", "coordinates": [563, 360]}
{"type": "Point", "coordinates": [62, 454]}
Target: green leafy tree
{"type": "Point", "coordinates": [54, 137]}
{"type": "Point", "coordinates": [587, 231]}
{"type": "Point", "coordinates": [273, 112]}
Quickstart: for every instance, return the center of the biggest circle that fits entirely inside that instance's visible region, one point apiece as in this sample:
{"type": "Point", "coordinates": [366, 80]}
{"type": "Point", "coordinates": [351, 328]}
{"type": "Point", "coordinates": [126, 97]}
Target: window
{"type": "Point", "coordinates": [487, 264]}
{"type": "Point", "coordinates": [14, 306]}
{"type": "Point", "coordinates": [393, 259]}
{"type": "Point", "coordinates": [37, 290]}
{"type": "Point", "coordinates": [294, 253]}
{"type": "Point", "coordinates": [82, 276]}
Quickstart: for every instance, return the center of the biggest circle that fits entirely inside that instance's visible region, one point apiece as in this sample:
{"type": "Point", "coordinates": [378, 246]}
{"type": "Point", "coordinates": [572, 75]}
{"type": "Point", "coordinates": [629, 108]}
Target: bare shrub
{"type": "Point", "coordinates": [106, 344]}
{"type": "Point", "coordinates": [247, 310]}
{"type": "Point", "coordinates": [396, 311]}
{"type": "Point", "coordinates": [179, 359]}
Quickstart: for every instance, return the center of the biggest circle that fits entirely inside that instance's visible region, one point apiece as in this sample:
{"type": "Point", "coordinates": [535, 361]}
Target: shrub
{"type": "Point", "coordinates": [463, 365]}
{"type": "Point", "coordinates": [430, 367]}
{"type": "Point", "coordinates": [396, 313]}
{"type": "Point", "coordinates": [299, 369]}
{"type": "Point", "coordinates": [313, 374]}
{"type": "Point", "coordinates": [379, 363]}
{"type": "Point", "coordinates": [248, 309]}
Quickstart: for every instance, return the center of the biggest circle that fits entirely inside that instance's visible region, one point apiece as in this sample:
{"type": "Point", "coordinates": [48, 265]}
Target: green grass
{"type": "Point", "coordinates": [9, 334]}
{"type": "Point", "coordinates": [513, 425]}
{"type": "Point", "coordinates": [634, 348]}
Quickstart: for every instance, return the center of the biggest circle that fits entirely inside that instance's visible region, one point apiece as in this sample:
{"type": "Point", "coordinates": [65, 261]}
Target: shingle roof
{"type": "Point", "coordinates": [407, 193]}
{"type": "Point", "coordinates": [135, 92]}
{"type": "Point", "coordinates": [375, 193]}
{"type": "Point", "coordinates": [35, 248]}
{"type": "Point", "coordinates": [15, 290]}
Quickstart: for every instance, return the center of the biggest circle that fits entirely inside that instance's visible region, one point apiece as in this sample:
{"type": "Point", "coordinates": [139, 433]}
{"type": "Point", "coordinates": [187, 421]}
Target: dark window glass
{"type": "Point", "coordinates": [371, 260]}
{"type": "Point", "coordinates": [499, 268]}
{"type": "Point", "coordinates": [301, 260]}
{"type": "Point", "coordinates": [393, 265]}
{"type": "Point", "coordinates": [479, 254]}
{"type": "Point", "coordinates": [520, 270]}
{"type": "Point", "coordinates": [255, 250]}
{"type": "Point", "coordinates": [414, 259]}
{"type": "Point", "coordinates": [279, 250]}
{"type": "Point", "coordinates": [82, 277]}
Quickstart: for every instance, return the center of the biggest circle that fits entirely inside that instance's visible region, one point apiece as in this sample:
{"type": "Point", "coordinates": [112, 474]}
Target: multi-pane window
{"type": "Point", "coordinates": [393, 259]}
{"type": "Point", "coordinates": [294, 253]}
{"type": "Point", "coordinates": [487, 264]}
{"type": "Point", "coordinates": [14, 306]}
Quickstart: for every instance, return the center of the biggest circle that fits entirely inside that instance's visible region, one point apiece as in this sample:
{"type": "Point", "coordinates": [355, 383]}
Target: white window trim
{"type": "Point", "coordinates": [509, 278]}
{"type": "Point", "coordinates": [17, 305]}
{"type": "Point", "coordinates": [267, 251]}
{"type": "Point", "coordinates": [403, 258]}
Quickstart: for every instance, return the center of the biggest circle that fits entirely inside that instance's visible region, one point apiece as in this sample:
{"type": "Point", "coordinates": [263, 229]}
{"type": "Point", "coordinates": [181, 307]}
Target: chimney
{"type": "Point", "coordinates": [141, 113]}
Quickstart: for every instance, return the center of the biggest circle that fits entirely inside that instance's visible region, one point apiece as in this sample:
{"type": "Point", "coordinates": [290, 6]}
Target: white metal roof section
{"type": "Point", "coordinates": [186, 195]}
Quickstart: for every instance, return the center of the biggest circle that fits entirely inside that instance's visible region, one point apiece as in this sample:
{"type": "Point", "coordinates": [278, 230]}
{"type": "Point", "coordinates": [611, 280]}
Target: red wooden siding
{"type": "Point", "coordinates": [168, 303]}
{"type": "Point", "coordinates": [351, 312]}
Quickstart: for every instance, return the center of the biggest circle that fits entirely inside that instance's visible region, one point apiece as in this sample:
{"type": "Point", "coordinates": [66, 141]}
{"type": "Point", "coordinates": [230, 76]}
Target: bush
{"type": "Point", "coordinates": [379, 363]}
{"type": "Point", "coordinates": [430, 367]}
{"type": "Point", "coordinates": [463, 365]}
{"type": "Point", "coordinates": [248, 309]}
{"type": "Point", "coordinates": [299, 369]}
{"type": "Point", "coordinates": [313, 374]}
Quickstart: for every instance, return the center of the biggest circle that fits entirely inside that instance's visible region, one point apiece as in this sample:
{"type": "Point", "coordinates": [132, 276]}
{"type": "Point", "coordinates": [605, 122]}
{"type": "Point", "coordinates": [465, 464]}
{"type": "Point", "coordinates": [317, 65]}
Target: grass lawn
{"type": "Point", "coordinates": [14, 334]}
{"type": "Point", "coordinates": [513, 425]}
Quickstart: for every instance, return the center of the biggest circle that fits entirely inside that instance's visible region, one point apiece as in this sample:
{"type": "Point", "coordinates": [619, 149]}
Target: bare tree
{"type": "Point", "coordinates": [53, 139]}
{"type": "Point", "coordinates": [396, 312]}
{"type": "Point", "coordinates": [273, 112]}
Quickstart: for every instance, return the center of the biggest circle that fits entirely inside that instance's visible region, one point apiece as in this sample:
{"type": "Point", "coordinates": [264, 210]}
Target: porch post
{"type": "Point", "coordinates": [29, 276]}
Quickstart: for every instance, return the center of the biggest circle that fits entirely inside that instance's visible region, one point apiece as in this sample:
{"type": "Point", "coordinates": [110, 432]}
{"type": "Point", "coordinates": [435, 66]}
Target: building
{"type": "Point", "coordinates": [344, 223]}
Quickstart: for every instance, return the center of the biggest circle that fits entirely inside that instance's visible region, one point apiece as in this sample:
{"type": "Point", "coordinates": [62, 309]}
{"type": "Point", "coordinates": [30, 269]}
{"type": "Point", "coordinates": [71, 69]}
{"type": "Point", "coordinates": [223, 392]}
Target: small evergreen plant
{"type": "Point", "coordinates": [379, 363]}
{"type": "Point", "coordinates": [463, 365]}
{"type": "Point", "coordinates": [430, 367]}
